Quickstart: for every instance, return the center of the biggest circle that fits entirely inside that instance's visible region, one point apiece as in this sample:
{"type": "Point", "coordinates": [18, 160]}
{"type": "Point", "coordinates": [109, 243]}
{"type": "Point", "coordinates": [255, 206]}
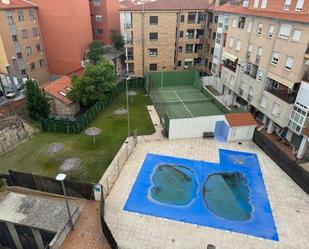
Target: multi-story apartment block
{"type": "Point", "coordinates": [264, 60]}
{"type": "Point", "coordinates": [164, 35]}
{"type": "Point", "coordinates": [104, 18]}
{"type": "Point", "coordinates": [66, 31]}
{"type": "Point", "coordinates": [21, 47]}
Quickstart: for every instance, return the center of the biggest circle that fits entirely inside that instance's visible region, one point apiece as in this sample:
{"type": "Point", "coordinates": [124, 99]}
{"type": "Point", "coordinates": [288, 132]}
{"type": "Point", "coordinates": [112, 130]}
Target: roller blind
{"type": "Point", "coordinates": [285, 30]}
{"type": "Point", "coordinates": [299, 5]}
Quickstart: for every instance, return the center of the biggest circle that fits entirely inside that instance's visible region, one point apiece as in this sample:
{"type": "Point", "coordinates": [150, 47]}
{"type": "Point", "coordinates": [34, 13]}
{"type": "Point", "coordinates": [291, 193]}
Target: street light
{"type": "Point", "coordinates": [128, 113]}
{"type": "Point", "coordinates": [60, 178]}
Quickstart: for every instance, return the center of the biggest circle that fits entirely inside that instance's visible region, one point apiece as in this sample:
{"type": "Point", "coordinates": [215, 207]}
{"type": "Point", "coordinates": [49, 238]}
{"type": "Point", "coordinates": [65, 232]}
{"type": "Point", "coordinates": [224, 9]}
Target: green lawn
{"type": "Point", "coordinates": [95, 158]}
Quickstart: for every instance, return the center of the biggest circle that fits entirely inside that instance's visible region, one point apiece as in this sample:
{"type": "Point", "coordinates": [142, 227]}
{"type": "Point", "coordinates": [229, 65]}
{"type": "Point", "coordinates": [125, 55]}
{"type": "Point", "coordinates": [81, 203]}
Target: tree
{"type": "Point", "coordinates": [93, 85]}
{"type": "Point", "coordinates": [37, 103]}
{"type": "Point", "coordinates": [95, 51]}
{"type": "Point", "coordinates": [117, 39]}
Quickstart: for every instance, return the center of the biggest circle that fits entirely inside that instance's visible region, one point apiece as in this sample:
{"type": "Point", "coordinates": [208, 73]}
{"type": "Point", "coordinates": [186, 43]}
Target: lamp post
{"type": "Point", "coordinates": [60, 178]}
{"type": "Point", "coordinates": [128, 112]}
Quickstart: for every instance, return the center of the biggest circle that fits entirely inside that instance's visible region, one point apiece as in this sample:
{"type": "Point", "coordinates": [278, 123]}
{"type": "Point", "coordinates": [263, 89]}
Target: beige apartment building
{"type": "Point", "coordinates": [164, 35]}
{"type": "Point", "coordinates": [264, 60]}
{"type": "Point", "coordinates": [21, 47]}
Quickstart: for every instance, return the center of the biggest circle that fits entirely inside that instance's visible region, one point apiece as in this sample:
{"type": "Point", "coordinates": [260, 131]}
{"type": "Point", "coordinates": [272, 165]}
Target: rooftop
{"type": "Point", "coordinates": [228, 8]}
{"type": "Point", "coordinates": [240, 119]}
{"type": "Point", "coordinates": [162, 5]}
{"type": "Point", "coordinates": [60, 87]}
{"type": "Point", "coordinates": [17, 4]}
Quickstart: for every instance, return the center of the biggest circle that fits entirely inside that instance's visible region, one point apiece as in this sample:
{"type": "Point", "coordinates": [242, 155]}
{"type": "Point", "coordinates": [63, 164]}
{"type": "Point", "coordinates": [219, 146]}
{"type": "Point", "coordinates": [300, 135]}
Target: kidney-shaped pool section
{"type": "Point", "coordinates": [227, 195]}
{"type": "Point", "coordinates": [173, 185]}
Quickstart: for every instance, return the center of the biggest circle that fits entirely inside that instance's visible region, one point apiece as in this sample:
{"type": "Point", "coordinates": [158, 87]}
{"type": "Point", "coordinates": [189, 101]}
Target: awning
{"type": "Point", "coordinates": [276, 77]}
{"type": "Point", "coordinates": [230, 56]}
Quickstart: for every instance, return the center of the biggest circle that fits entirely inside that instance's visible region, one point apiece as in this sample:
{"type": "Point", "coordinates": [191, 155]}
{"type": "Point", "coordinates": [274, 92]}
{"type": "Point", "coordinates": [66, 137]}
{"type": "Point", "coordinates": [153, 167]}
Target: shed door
{"type": "Point", "coordinates": [6, 240]}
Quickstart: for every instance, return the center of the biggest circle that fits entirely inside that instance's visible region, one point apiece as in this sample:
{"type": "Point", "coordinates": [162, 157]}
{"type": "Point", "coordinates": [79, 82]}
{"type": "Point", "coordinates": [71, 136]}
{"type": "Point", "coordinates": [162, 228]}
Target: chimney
{"type": "Point", "coordinates": [6, 1]}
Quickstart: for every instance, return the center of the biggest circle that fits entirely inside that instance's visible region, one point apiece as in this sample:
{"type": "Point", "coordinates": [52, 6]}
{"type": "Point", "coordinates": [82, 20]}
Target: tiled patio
{"type": "Point", "coordinates": [87, 232]}
{"type": "Point", "coordinates": [290, 205]}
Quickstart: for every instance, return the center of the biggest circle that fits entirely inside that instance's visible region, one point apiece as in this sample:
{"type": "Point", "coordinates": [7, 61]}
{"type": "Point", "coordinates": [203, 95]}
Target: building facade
{"type": "Point", "coordinates": [104, 18]}
{"type": "Point", "coordinates": [66, 31]}
{"type": "Point", "coordinates": [22, 51]}
{"type": "Point", "coordinates": [264, 60]}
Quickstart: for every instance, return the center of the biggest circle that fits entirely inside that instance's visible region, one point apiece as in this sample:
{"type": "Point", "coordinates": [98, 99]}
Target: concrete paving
{"type": "Point", "coordinates": [289, 203]}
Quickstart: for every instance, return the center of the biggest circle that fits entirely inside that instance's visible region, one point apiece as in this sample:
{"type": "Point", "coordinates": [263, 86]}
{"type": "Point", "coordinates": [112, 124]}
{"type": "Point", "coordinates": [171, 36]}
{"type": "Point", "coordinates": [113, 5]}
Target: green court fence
{"type": "Point", "coordinates": [215, 101]}
{"type": "Point", "coordinates": [78, 125]}
{"type": "Point", "coordinates": [172, 78]}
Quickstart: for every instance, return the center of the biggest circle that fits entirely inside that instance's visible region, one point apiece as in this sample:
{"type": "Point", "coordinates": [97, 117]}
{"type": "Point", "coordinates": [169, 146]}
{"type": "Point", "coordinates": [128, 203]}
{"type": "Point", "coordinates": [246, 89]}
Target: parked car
{"type": "Point", "coordinates": [10, 94]}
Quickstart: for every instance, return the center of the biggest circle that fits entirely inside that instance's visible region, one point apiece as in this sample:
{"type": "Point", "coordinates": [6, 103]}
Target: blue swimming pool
{"type": "Point", "coordinates": [229, 195]}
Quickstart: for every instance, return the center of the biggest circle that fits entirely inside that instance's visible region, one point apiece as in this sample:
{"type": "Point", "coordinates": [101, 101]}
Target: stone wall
{"type": "Point", "coordinates": [60, 109]}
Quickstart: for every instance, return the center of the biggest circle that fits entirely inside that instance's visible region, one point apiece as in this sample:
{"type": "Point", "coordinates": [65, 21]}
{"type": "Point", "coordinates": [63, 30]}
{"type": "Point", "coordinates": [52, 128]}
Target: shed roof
{"type": "Point", "coordinates": [17, 4]}
{"type": "Point", "coordinates": [240, 119]}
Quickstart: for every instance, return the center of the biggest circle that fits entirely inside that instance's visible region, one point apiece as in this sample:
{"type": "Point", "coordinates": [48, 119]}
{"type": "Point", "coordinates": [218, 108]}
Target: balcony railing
{"type": "Point", "coordinates": [281, 94]}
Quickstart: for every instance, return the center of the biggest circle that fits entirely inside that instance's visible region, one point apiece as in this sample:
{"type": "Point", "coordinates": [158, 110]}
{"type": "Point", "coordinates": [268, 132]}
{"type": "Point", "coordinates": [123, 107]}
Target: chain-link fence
{"type": "Point", "coordinates": [110, 176]}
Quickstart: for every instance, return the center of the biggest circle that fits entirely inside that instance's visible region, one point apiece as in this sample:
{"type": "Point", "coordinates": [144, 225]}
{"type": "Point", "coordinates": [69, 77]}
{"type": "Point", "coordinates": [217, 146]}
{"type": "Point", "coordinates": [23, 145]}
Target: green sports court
{"type": "Point", "coordinates": [179, 94]}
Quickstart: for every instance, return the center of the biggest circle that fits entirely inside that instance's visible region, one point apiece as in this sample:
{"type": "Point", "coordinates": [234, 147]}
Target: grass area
{"type": "Point", "coordinates": [95, 158]}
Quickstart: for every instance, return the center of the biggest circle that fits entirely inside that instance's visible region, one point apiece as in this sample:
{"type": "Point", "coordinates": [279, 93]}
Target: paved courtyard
{"type": "Point", "coordinates": [289, 203]}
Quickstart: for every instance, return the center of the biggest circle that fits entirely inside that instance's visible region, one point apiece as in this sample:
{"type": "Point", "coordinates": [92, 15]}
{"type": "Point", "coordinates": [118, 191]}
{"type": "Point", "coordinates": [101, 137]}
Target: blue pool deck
{"type": "Point", "coordinates": [261, 223]}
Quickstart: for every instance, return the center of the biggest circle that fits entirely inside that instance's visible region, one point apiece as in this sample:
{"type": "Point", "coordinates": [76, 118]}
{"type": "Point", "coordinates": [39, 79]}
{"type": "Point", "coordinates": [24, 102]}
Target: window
{"type": "Point", "coordinates": [10, 19]}
{"type": "Point", "coordinates": [153, 20]}
{"type": "Point", "coordinates": [24, 33]}
{"type": "Point", "coordinates": [276, 109]}
{"type": "Point", "coordinates": [23, 72]}
{"type": "Point", "coordinates": [234, 22]}
{"type": "Point", "coordinates": [259, 55]}
{"type": "Point", "coordinates": [218, 39]}
{"type": "Point", "coordinates": [285, 30]}
{"type": "Point", "coordinates": [260, 28]}
{"type": "Point", "coordinates": [190, 33]}
{"type": "Point", "coordinates": [188, 63]}
{"type": "Point", "coordinates": [38, 47]}
{"type": "Point", "coordinates": [264, 4]}
{"type": "Point", "coordinates": [231, 42]}
{"type": "Point", "coordinates": [287, 4]}
{"type": "Point", "coordinates": [256, 3]}
{"type": "Point", "coordinates": [20, 14]}
{"type": "Point", "coordinates": [271, 31]}
{"type": "Point", "coordinates": [289, 63]}
{"type": "Point", "coordinates": [99, 18]}
{"type": "Point", "coordinates": [181, 34]}
{"type": "Point", "coordinates": [213, 35]}
{"type": "Point", "coordinates": [35, 32]}
{"type": "Point", "coordinates": [42, 63]}
{"type": "Point", "coordinates": [245, 3]}
{"type": "Point", "coordinates": [14, 38]}
{"type": "Point", "coordinates": [296, 35]}
{"type": "Point", "coordinates": [153, 36]}
{"type": "Point", "coordinates": [238, 45]}
{"type": "Point", "coordinates": [275, 58]}
{"type": "Point", "coordinates": [179, 63]}
{"type": "Point", "coordinates": [32, 66]}
{"type": "Point", "coordinates": [189, 48]}
{"type": "Point", "coordinates": [96, 3]}
{"type": "Point", "coordinates": [249, 27]}
{"type": "Point", "coordinates": [29, 50]}
{"type": "Point", "coordinates": [180, 49]}
{"type": "Point", "coordinates": [100, 31]}
{"type": "Point", "coordinates": [31, 15]}
{"type": "Point", "coordinates": [153, 67]}
{"type": "Point", "coordinates": [182, 18]}
{"type": "Point", "coordinates": [210, 65]}
{"type": "Point", "coordinates": [153, 51]}
{"type": "Point", "coordinates": [216, 19]}
{"type": "Point", "coordinates": [212, 50]}
{"type": "Point", "coordinates": [19, 56]}
{"type": "Point", "coordinates": [250, 48]}
{"type": "Point", "coordinates": [260, 75]}
{"type": "Point", "coordinates": [250, 93]}
{"type": "Point", "coordinates": [241, 22]}
{"type": "Point", "coordinates": [263, 101]}
{"type": "Point", "coordinates": [299, 5]}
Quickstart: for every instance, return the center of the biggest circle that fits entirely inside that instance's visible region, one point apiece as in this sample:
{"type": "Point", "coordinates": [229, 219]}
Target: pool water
{"type": "Point", "coordinates": [173, 184]}
{"type": "Point", "coordinates": [227, 195]}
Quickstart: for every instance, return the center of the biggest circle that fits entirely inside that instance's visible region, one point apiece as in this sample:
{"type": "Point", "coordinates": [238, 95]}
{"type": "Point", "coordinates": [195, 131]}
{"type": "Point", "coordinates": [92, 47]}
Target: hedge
{"type": "Point", "coordinates": [78, 125]}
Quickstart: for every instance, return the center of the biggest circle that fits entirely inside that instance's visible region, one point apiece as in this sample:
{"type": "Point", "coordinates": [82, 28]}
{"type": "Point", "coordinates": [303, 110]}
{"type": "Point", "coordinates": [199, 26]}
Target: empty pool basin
{"type": "Point", "coordinates": [227, 195]}
{"type": "Point", "coordinates": [173, 185]}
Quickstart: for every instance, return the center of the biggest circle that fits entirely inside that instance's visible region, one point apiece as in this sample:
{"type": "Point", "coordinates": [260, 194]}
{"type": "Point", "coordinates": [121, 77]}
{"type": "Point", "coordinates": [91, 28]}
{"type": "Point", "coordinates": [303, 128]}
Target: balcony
{"type": "Point", "coordinates": [230, 65]}
{"type": "Point", "coordinates": [283, 94]}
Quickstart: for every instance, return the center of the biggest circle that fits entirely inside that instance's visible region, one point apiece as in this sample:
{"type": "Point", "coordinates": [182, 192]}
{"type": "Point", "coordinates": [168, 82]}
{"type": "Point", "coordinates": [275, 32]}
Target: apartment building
{"type": "Point", "coordinates": [164, 35]}
{"type": "Point", "coordinates": [104, 18]}
{"type": "Point", "coordinates": [66, 31]}
{"type": "Point", "coordinates": [264, 60]}
{"type": "Point", "coordinates": [21, 47]}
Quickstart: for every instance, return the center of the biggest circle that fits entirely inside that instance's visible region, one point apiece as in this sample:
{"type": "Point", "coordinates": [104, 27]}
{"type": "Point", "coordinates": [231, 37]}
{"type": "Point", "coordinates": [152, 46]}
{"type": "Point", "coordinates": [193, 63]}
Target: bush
{"type": "Point", "coordinates": [3, 184]}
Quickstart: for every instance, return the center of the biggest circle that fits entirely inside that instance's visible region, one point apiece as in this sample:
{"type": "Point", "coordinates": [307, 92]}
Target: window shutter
{"type": "Point", "coordinates": [289, 62]}
{"type": "Point", "coordinates": [260, 50]}
{"type": "Point", "coordinates": [299, 5]}
{"type": "Point", "coordinates": [256, 3]}
{"type": "Point", "coordinates": [285, 30]}
{"type": "Point", "coordinates": [249, 27]}
{"type": "Point", "coordinates": [264, 4]}
{"type": "Point", "coordinates": [296, 35]}
{"type": "Point", "coordinates": [250, 48]}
